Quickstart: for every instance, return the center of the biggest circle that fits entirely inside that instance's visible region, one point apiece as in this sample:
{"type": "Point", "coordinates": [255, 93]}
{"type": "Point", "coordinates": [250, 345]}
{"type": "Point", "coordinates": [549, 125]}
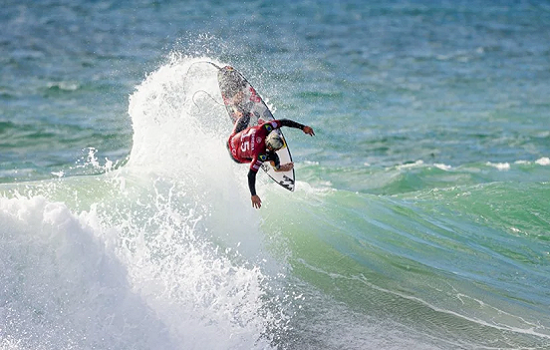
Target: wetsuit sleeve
{"type": "Point", "coordinates": [272, 156]}
{"type": "Point", "coordinates": [291, 124]}
{"type": "Point", "coordinates": [277, 123]}
{"type": "Point", "coordinates": [255, 165]}
{"type": "Point", "coordinates": [252, 181]}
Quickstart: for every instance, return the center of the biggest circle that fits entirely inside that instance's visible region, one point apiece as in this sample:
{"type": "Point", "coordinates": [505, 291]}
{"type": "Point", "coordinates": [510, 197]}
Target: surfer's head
{"type": "Point", "coordinates": [274, 141]}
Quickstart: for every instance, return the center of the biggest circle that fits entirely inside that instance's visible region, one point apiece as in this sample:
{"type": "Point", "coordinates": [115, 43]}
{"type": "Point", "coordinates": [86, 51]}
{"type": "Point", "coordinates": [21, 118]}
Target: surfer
{"type": "Point", "coordinates": [258, 144]}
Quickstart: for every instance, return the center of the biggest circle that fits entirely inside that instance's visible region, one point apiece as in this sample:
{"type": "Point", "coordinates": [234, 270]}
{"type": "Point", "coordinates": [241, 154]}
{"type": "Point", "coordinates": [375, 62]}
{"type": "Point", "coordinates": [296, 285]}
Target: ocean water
{"type": "Point", "coordinates": [421, 216]}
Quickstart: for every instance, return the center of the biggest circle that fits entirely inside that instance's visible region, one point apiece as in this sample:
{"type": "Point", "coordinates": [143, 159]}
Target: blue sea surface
{"type": "Point", "coordinates": [421, 214]}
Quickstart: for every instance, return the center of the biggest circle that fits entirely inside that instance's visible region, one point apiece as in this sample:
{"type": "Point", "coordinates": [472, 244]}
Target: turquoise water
{"type": "Point", "coordinates": [420, 218]}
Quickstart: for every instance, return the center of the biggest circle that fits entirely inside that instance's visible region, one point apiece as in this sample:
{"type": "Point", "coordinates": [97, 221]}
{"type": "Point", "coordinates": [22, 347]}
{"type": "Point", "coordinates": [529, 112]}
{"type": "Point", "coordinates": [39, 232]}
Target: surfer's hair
{"type": "Point", "coordinates": [274, 141]}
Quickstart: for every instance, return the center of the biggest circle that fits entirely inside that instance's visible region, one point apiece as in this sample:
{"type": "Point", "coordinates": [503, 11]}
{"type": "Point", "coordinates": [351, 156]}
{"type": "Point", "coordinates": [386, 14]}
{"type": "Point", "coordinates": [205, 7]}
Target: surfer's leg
{"type": "Point", "coordinates": [241, 123]}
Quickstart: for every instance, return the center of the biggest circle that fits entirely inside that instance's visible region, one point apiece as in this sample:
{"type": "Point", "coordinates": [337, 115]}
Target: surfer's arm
{"type": "Point", "coordinates": [274, 160]}
{"type": "Point", "coordinates": [255, 165]}
{"type": "Point", "coordinates": [284, 167]}
{"type": "Point", "coordinates": [252, 181]}
{"type": "Point", "coordinates": [276, 163]}
{"type": "Point", "coordinates": [256, 201]}
{"type": "Point", "coordinates": [292, 124]}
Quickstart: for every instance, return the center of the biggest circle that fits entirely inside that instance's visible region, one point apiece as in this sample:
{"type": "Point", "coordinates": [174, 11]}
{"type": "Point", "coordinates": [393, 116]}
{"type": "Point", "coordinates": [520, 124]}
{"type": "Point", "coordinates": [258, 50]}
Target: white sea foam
{"type": "Point", "coordinates": [544, 161]}
{"type": "Point", "coordinates": [443, 166]}
{"type": "Point", "coordinates": [411, 165]}
{"type": "Point", "coordinates": [179, 135]}
{"type": "Point", "coordinates": [152, 260]}
{"type": "Point", "coordinates": [499, 166]}
{"type": "Point", "coordinates": [146, 275]}
{"type": "Point", "coordinates": [62, 287]}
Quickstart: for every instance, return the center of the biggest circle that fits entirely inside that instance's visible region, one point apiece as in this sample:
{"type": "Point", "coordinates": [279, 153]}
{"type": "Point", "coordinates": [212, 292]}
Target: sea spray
{"type": "Point", "coordinates": [143, 261]}
{"type": "Point", "coordinates": [158, 252]}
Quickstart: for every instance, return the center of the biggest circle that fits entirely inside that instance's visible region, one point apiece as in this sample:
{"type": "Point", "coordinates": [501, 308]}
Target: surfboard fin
{"type": "Point", "coordinates": [205, 92]}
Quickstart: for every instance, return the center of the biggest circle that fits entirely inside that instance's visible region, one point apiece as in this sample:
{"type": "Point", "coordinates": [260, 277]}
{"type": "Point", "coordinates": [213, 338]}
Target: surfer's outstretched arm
{"type": "Point", "coordinates": [292, 124]}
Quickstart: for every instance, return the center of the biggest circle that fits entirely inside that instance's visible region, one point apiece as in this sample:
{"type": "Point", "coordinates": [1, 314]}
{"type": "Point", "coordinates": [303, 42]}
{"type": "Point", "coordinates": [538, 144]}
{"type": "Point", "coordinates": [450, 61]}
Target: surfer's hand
{"type": "Point", "coordinates": [308, 130]}
{"type": "Point", "coordinates": [256, 202]}
{"type": "Point", "coordinates": [285, 167]}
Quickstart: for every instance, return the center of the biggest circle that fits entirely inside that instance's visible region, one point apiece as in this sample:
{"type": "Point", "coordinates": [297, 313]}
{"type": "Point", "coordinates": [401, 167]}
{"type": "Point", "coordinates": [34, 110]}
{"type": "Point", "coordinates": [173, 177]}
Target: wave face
{"type": "Point", "coordinates": [420, 218]}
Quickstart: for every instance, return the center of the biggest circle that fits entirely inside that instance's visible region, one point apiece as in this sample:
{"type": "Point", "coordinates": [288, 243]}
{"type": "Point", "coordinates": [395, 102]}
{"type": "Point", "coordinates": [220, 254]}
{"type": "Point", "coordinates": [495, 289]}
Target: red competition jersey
{"type": "Point", "coordinates": [248, 146]}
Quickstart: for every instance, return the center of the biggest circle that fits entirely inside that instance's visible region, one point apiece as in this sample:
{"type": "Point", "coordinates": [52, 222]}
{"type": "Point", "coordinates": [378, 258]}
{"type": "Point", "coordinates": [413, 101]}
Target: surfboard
{"type": "Point", "coordinates": [240, 97]}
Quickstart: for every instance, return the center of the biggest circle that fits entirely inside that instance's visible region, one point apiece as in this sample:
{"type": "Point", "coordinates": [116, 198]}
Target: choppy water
{"type": "Point", "coordinates": [421, 216]}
